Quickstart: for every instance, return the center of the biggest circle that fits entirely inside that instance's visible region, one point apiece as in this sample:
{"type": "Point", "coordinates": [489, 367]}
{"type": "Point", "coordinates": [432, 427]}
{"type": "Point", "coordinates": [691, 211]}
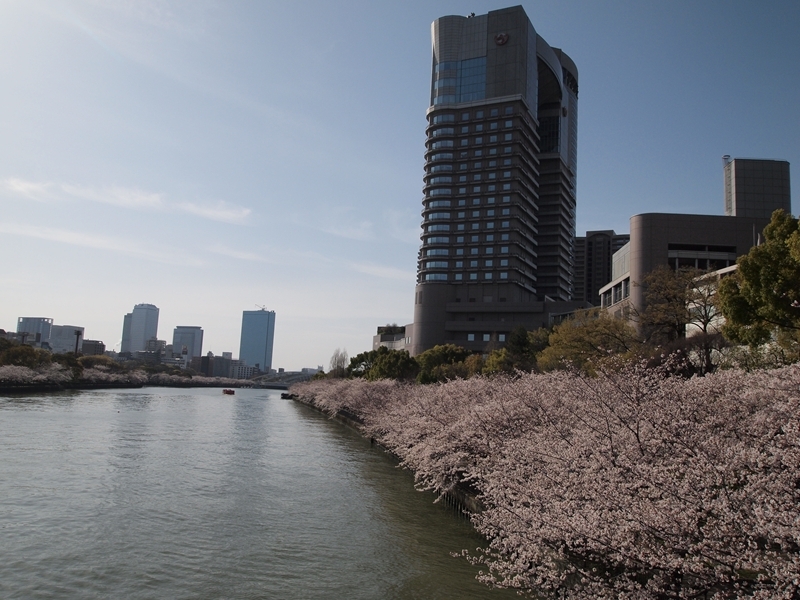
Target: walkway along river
{"type": "Point", "coordinates": [186, 493]}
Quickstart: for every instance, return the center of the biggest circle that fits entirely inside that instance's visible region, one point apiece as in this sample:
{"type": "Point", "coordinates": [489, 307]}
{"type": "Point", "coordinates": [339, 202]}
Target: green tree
{"type": "Point", "coordinates": [588, 338]}
{"type": "Point", "coordinates": [764, 295]}
{"type": "Point", "coordinates": [362, 363]}
{"type": "Point", "coordinates": [393, 364]}
{"type": "Point", "coordinates": [437, 363]}
{"type": "Point", "coordinates": [24, 356]}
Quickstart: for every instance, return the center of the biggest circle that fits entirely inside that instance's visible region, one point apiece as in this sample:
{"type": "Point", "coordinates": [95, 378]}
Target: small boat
{"type": "Point", "coordinates": [229, 392]}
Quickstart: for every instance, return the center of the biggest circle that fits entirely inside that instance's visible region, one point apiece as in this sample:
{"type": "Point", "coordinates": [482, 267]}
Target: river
{"type": "Point", "coordinates": [175, 493]}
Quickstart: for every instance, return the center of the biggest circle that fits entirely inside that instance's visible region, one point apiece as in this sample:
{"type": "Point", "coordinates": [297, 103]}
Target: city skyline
{"type": "Point", "coordinates": [160, 151]}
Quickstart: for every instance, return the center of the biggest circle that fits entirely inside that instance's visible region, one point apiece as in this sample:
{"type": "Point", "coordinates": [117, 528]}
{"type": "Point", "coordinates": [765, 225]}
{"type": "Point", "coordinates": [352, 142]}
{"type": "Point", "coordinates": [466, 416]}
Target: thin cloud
{"type": "Point", "coordinates": [126, 197]}
{"type": "Point", "coordinates": [222, 211]}
{"type": "Point", "coordinates": [238, 254]}
{"type": "Point", "coordinates": [361, 232]}
{"type": "Point", "coordinates": [98, 242]}
{"type": "Point", "coordinates": [382, 271]}
{"type": "Point", "coordinates": [30, 189]}
{"type": "Point", "coordinates": [117, 196]}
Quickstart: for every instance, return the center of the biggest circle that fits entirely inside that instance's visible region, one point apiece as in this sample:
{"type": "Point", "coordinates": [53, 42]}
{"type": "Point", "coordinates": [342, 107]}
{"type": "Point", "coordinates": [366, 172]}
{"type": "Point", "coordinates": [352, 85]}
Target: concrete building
{"type": "Point", "coordinates": [187, 341]}
{"type": "Point", "coordinates": [34, 329]}
{"type": "Point", "coordinates": [499, 185]}
{"type": "Point", "coordinates": [593, 255]}
{"type": "Point", "coordinates": [93, 348]}
{"type": "Point", "coordinates": [62, 339]}
{"type": "Point", "coordinates": [706, 242]}
{"type": "Point", "coordinates": [258, 333]}
{"type": "Point", "coordinates": [756, 187]}
{"type": "Point", "coordinates": [138, 327]}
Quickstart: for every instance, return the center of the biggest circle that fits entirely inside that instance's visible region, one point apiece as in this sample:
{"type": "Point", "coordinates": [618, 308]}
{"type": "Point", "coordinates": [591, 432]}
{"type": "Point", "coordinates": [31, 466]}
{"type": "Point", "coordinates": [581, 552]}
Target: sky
{"type": "Point", "coordinates": [211, 157]}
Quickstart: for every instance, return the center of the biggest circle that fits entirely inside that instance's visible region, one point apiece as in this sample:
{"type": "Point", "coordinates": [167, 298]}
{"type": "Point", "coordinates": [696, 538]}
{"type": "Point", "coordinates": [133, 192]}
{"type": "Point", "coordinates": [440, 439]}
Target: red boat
{"type": "Point", "coordinates": [228, 391]}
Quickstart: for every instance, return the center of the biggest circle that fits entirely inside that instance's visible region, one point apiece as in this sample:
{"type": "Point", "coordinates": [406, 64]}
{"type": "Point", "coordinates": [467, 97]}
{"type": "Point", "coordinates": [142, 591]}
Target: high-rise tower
{"type": "Point", "coordinates": [500, 181]}
{"type": "Point", "coordinates": [138, 327]}
{"type": "Point", "coordinates": [258, 332]}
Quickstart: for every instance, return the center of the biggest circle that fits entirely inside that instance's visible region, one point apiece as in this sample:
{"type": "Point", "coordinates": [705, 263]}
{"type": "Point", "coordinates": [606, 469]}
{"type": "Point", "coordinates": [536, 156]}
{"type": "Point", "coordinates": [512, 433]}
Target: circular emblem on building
{"type": "Point", "coordinates": [501, 38]}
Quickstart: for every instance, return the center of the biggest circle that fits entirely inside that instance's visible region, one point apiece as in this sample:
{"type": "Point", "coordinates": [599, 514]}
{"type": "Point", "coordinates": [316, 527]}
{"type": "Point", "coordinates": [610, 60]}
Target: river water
{"type": "Point", "coordinates": [170, 493]}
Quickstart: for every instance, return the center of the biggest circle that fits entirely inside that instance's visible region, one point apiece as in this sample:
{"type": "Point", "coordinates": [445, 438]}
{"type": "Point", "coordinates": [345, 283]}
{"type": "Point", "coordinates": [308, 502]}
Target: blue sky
{"type": "Point", "coordinates": [210, 156]}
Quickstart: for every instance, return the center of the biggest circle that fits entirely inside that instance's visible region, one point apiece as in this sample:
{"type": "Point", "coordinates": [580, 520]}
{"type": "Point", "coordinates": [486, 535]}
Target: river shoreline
{"type": "Point", "coordinates": [460, 500]}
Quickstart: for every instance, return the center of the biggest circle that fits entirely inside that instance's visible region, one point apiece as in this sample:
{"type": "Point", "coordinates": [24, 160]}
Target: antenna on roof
{"type": "Point", "coordinates": [261, 307]}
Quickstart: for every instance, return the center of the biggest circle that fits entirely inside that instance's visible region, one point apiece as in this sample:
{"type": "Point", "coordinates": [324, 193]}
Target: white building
{"type": "Point", "coordinates": [138, 327]}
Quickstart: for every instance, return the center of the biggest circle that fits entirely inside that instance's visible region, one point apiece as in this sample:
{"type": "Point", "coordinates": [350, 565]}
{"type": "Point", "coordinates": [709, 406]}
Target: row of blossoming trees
{"type": "Point", "coordinates": [629, 484]}
{"type": "Point", "coordinates": [23, 366]}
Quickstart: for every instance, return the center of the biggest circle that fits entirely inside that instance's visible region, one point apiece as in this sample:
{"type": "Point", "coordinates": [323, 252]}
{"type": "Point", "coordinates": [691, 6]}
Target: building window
{"type": "Point", "coordinates": [439, 227]}
{"type": "Point", "coordinates": [476, 225]}
{"type": "Point", "coordinates": [478, 153]}
{"type": "Point", "coordinates": [436, 277]}
{"type": "Point", "coordinates": [443, 119]}
{"type": "Point", "coordinates": [486, 337]}
{"type": "Point", "coordinates": [439, 204]}
{"type": "Point", "coordinates": [460, 215]}
{"type": "Point", "coordinates": [509, 110]}
{"type": "Point", "coordinates": [473, 250]}
{"type": "Point", "coordinates": [473, 264]}
{"type": "Point", "coordinates": [493, 125]}
{"type": "Point", "coordinates": [473, 238]}
{"type": "Point", "coordinates": [506, 198]}
{"type": "Point", "coordinates": [488, 263]}
{"type": "Point", "coordinates": [501, 337]}
{"type": "Point", "coordinates": [490, 200]}
{"type": "Point", "coordinates": [437, 252]}
{"type": "Point", "coordinates": [506, 211]}
{"type": "Point", "coordinates": [479, 127]}
{"type": "Point", "coordinates": [506, 174]}
{"type": "Point", "coordinates": [476, 214]}
{"type": "Point", "coordinates": [465, 116]}
{"type": "Point", "coordinates": [503, 275]}
{"type": "Point", "coordinates": [506, 187]}
{"type": "Point", "coordinates": [507, 150]}
{"type": "Point", "coordinates": [476, 177]}
{"type": "Point", "coordinates": [476, 189]}
{"type": "Point", "coordinates": [506, 137]}
{"type": "Point", "coordinates": [490, 225]}
{"type": "Point", "coordinates": [459, 251]}
{"type": "Point", "coordinates": [462, 179]}
{"type": "Point", "coordinates": [473, 276]}
{"type": "Point", "coordinates": [459, 264]}
{"type": "Point", "coordinates": [504, 237]}
{"type": "Point", "coordinates": [458, 277]}
{"type": "Point", "coordinates": [438, 215]}
{"type": "Point", "coordinates": [479, 114]}
{"type": "Point", "coordinates": [504, 224]}
{"type": "Point", "coordinates": [487, 275]}
{"type": "Point", "coordinates": [492, 151]}
{"type": "Point", "coordinates": [460, 239]}
{"type": "Point", "coordinates": [464, 142]}
{"type": "Point", "coordinates": [465, 129]}
{"type": "Point", "coordinates": [492, 139]}
{"type": "Point", "coordinates": [470, 337]}
{"type": "Point", "coordinates": [503, 262]}
{"type": "Point", "coordinates": [460, 227]}
{"type": "Point", "coordinates": [503, 249]}
{"type": "Point", "coordinates": [494, 112]}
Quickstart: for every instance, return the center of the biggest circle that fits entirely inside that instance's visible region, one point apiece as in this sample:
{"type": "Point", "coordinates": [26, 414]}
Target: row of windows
{"type": "Point", "coordinates": [475, 177]}
{"type": "Point", "coordinates": [486, 337]}
{"type": "Point", "coordinates": [473, 226]}
{"type": "Point", "coordinates": [459, 264]}
{"type": "Point", "coordinates": [480, 126]}
{"type": "Point", "coordinates": [487, 276]}
{"type": "Point", "coordinates": [465, 154]}
{"type": "Point", "coordinates": [475, 202]}
{"type": "Point", "coordinates": [474, 251]}
{"type": "Point", "coordinates": [505, 187]}
{"type": "Point", "coordinates": [489, 212]}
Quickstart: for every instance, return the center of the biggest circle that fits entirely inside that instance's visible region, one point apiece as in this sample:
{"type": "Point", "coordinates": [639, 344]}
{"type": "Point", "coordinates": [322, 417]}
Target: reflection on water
{"type": "Point", "coordinates": [159, 493]}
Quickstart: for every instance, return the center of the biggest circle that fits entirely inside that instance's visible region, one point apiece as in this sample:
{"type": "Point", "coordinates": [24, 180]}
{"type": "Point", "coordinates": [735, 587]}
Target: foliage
{"type": "Point", "coordinates": [438, 363]}
{"type": "Point", "coordinates": [24, 356]}
{"type": "Point", "coordinates": [629, 485]}
{"type": "Point", "coordinates": [361, 363]}
{"type": "Point", "coordinates": [764, 295]}
{"type": "Point", "coordinates": [95, 360]}
{"type": "Point", "coordinates": [666, 298]}
{"type": "Point", "coordinates": [588, 339]}
{"type": "Point", "coordinates": [393, 364]}
{"type": "Point", "coordinates": [71, 362]}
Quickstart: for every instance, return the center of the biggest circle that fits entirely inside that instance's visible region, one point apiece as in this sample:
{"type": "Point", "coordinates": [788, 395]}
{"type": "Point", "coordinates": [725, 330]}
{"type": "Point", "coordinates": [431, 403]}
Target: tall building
{"type": "Point", "coordinates": [756, 187]}
{"type": "Point", "coordinates": [62, 338]}
{"type": "Point", "coordinates": [593, 254]}
{"type": "Point", "coordinates": [36, 329]}
{"type": "Point", "coordinates": [258, 332]}
{"type": "Point", "coordinates": [187, 341]}
{"type": "Point", "coordinates": [500, 181]}
{"type": "Point", "coordinates": [138, 327]}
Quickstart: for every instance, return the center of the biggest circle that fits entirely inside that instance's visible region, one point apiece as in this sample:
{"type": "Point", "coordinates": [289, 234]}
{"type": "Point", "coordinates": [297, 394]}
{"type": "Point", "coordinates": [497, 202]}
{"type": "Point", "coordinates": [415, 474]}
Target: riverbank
{"type": "Point", "coordinates": [631, 482]}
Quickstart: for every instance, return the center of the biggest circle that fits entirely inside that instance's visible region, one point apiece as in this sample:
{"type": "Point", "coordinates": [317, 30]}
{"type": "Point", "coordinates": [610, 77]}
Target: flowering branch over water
{"type": "Point", "coordinates": [631, 485]}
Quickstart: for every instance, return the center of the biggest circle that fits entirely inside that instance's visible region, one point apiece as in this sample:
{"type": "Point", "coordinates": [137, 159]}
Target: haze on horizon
{"type": "Point", "coordinates": [208, 157]}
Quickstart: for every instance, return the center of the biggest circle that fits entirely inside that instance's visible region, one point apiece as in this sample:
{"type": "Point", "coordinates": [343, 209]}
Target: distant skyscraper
{"type": "Point", "coordinates": [37, 328]}
{"type": "Point", "coordinates": [62, 338]}
{"type": "Point", "coordinates": [138, 327]}
{"type": "Point", "coordinates": [593, 262]}
{"type": "Point", "coordinates": [187, 341]}
{"type": "Point", "coordinates": [258, 331]}
{"type": "Point", "coordinates": [756, 187]}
